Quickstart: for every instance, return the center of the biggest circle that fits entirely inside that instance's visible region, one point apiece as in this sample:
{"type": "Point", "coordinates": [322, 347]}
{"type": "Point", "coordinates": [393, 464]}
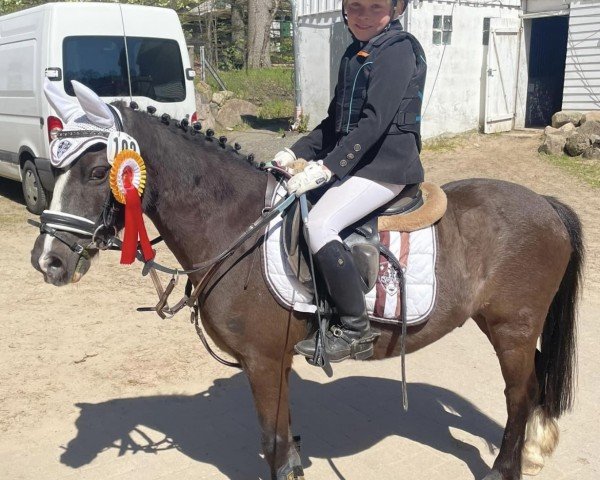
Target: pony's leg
{"type": "Point", "coordinates": [269, 382]}
{"type": "Point", "coordinates": [514, 343]}
{"type": "Point", "coordinates": [541, 434]}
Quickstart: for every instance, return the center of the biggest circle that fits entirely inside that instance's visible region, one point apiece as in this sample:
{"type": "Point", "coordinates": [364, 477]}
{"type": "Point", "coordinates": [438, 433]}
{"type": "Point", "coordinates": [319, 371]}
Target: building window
{"type": "Point", "coordinates": [442, 29]}
{"type": "Point", "coordinates": [486, 31]}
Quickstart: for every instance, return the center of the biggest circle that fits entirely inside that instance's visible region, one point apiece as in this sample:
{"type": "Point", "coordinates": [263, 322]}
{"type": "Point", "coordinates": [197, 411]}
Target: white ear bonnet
{"type": "Point", "coordinates": [87, 121]}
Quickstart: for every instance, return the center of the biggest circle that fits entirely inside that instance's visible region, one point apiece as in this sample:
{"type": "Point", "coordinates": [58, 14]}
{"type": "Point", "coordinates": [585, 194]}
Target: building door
{"type": "Point", "coordinates": [501, 74]}
{"type": "Point", "coordinates": [547, 54]}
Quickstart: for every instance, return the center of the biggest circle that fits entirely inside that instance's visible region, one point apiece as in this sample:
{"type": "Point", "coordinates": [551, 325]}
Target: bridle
{"type": "Point", "coordinates": [103, 236]}
{"type": "Point", "coordinates": [102, 232]}
{"type": "Point", "coordinates": [53, 223]}
{"type": "Point", "coordinates": [98, 126]}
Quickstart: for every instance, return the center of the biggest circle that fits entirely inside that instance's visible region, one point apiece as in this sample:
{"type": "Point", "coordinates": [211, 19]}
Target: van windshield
{"type": "Point", "coordinates": [99, 62]}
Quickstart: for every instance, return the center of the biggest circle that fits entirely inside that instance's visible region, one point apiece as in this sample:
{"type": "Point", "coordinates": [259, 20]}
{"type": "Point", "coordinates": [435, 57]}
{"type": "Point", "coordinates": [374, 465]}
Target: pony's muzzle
{"type": "Point", "coordinates": [56, 262]}
{"type": "Point", "coordinates": [54, 270]}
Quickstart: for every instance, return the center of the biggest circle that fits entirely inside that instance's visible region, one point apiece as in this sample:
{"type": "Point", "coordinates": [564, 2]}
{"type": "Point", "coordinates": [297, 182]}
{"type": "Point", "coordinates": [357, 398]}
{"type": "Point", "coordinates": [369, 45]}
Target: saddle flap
{"type": "Point", "coordinates": [295, 249]}
{"type": "Point", "coordinates": [363, 241]}
{"type": "Point", "coordinates": [366, 257]}
{"type": "Point", "coordinates": [291, 229]}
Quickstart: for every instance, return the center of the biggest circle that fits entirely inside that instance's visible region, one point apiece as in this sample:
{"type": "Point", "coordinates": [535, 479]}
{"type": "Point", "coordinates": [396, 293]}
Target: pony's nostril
{"type": "Point", "coordinates": [55, 268]}
{"type": "Point", "coordinates": [55, 262]}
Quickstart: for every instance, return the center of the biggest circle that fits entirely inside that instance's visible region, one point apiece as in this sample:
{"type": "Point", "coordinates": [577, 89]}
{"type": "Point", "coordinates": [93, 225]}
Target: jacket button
{"type": "Point", "coordinates": [343, 163]}
{"type": "Point", "coordinates": [357, 147]}
{"type": "Point", "coordinates": [350, 156]}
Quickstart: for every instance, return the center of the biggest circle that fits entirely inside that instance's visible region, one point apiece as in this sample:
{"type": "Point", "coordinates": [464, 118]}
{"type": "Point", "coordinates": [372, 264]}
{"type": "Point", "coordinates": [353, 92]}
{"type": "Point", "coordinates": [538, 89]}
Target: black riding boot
{"type": "Point", "coordinates": [354, 339]}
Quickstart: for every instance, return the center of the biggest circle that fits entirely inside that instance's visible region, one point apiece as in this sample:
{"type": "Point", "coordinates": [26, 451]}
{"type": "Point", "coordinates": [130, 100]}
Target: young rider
{"type": "Point", "coordinates": [365, 151]}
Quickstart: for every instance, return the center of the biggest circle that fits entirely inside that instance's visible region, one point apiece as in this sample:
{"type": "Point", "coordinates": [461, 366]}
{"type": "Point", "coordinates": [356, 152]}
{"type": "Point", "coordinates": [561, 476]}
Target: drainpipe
{"type": "Point", "coordinates": [516, 104]}
{"type": "Point", "coordinates": [407, 12]}
{"type": "Point", "coordinates": [298, 92]}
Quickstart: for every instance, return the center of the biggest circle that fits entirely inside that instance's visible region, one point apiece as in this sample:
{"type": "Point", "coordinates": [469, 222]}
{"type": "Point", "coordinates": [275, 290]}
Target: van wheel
{"type": "Point", "coordinates": [35, 196]}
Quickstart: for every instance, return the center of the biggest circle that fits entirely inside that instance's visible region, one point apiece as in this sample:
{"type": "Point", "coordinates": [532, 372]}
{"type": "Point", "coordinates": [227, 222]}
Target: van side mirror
{"type": "Point", "coordinates": [190, 73]}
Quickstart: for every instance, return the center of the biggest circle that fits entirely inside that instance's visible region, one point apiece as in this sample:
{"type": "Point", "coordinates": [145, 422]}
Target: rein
{"type": "Point", "coordinates": [103, 233]}
{"type": "Point", "coordinates": [53, 222]}
{"type": "Point", "coordinates": [213, 264]}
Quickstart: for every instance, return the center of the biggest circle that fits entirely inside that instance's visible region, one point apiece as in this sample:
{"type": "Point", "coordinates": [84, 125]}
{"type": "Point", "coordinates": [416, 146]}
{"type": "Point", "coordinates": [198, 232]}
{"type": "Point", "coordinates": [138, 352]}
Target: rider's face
{"type": "Point", "coordinates": [367, 18]}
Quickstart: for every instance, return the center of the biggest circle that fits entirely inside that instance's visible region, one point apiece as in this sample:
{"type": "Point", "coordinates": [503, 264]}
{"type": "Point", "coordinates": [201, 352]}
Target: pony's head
{"type": "Point", "coordinates": [81, 212]}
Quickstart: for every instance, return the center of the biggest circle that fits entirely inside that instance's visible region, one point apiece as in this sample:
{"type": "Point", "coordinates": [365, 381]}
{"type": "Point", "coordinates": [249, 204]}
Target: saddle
{"type": "Point", "coordinates": [417, 206]}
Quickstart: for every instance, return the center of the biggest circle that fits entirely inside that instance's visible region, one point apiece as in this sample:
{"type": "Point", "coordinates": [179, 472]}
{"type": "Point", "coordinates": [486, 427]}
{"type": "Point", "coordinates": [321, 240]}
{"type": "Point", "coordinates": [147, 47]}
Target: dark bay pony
{"type": "Point", "coordinates": [509, 258]}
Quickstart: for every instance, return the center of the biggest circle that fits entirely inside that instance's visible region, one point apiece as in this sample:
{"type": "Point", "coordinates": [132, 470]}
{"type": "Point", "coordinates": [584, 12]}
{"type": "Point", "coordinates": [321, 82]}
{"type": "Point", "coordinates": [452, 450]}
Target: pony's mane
{"type": "Point", "coordinates": [188, 161]}
{"type": "Point", "coordinates": [192, 132]}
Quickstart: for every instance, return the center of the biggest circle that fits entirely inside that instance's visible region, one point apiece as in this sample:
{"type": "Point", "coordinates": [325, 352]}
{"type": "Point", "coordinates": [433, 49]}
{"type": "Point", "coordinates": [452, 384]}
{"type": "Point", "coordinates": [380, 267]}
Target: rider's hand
{"type": "Point", "coordinates": [314, 175]}
{"type": "Point", "coordinates": [284, 158]}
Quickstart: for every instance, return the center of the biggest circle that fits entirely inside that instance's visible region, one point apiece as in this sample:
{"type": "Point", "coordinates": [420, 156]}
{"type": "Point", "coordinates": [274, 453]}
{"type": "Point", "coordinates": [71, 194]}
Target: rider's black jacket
{"type": "Point", "coordinates": [364, 132]}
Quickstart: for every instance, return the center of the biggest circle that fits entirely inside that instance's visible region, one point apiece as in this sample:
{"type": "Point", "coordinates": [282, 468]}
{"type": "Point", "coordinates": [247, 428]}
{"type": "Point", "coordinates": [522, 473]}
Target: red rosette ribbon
{"type": "Point", "coordinates": [135, 229]}
{"type": "Point", "coordinates": [127, 181]}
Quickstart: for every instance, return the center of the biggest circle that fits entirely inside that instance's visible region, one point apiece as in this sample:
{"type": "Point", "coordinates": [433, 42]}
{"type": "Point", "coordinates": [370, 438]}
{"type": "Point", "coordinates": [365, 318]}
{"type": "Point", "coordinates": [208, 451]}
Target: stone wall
{"type": "Point", "coordinates": [220, 109]}
{"type": "Point", "coordinates": [573, 133]}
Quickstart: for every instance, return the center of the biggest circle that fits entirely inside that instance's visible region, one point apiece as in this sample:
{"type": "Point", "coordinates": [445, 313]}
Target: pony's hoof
{"type": "Point", "coordinates": [533, 461]}
{"type": "Point", "coordinates": [493, 475]}
{"type": "Point", "coordinates": [296, 473]}
{"type": "Point", "coordinates": [532, 467]}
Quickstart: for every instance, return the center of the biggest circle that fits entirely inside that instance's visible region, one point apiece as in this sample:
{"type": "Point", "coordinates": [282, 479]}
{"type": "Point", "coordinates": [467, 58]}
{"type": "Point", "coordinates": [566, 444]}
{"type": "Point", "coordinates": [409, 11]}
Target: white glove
{"type": "Point", "coordinates": [284, 158]}
{"type": "Point", "coordinates": [314, 175]}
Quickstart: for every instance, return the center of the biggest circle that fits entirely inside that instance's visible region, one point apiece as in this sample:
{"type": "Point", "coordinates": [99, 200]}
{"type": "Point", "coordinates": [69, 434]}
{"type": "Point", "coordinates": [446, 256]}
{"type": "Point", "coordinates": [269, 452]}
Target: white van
{"type": "Point", "coordinates": [122, 52]}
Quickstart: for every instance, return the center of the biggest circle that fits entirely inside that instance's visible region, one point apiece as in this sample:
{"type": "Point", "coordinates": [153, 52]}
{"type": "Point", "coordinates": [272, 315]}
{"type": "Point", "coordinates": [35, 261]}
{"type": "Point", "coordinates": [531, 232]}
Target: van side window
{"type": "Point", "coordinates": [155, 66]}
{"type": "Point", "coordinates": [156, 69]}
{"type": "Point", "coordinates": [97, 62]}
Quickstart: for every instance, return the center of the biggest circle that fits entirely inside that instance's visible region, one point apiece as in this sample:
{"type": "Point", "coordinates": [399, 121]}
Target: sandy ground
{"type": "Point", "coordinates": [89, 388]}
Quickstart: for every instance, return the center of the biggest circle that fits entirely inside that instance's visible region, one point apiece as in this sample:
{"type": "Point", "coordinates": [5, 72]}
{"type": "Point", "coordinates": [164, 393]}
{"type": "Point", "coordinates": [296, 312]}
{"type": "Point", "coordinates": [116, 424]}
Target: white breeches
{"type": "Point", "coordinates": [344, 204]}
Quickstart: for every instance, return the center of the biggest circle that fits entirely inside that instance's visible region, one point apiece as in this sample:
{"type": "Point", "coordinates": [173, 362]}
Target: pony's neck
{"type": "Point", "coordinates": [198, 195]}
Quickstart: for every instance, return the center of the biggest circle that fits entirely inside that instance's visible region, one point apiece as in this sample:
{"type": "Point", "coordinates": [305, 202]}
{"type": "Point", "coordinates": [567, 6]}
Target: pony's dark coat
{"type": "Point", "coordinates": [508, 258]}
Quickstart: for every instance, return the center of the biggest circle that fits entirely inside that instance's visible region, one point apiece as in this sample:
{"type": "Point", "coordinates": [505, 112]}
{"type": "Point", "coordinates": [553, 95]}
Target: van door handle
{"type": "Point", "coordinates": [53, 73]}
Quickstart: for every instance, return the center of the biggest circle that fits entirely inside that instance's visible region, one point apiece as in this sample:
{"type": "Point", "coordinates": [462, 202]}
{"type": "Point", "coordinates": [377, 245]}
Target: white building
{"type": "Point", "coordinates": [492, 64]}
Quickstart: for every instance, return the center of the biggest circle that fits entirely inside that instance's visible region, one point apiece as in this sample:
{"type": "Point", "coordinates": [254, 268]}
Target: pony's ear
{"type": "Point", "coordinates": [95, 109]}
{"type": "Point", "coordinates": [65, 106]}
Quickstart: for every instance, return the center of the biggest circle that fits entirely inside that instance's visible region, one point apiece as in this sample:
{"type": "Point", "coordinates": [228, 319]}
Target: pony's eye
{"type": "Point", "coordinates": [99, 173]}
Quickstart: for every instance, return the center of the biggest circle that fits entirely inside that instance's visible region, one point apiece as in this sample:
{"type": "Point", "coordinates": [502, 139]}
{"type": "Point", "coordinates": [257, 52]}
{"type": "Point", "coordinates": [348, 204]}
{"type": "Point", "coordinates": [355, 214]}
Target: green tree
{"type": "Point", "coordinates": [239, 12]}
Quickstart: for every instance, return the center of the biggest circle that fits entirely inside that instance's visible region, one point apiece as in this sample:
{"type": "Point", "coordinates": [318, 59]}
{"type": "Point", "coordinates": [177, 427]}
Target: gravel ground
{"type": "Point", "coordinates": [89, 388]}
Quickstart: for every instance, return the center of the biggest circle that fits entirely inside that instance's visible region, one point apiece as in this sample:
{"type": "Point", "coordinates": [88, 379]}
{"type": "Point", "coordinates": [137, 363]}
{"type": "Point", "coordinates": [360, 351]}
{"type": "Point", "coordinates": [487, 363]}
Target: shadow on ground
{"type": "Point", "coordinates": [272, 124]}
{"type": "Point", "coordinates": [12, 190]}
{"type": "Point", "coordinates": [219, 426]}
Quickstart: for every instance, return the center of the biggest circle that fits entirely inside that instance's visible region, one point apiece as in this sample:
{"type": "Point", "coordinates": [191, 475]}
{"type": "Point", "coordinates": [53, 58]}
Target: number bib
{"type": "Point", "coordinates": [119, 141]}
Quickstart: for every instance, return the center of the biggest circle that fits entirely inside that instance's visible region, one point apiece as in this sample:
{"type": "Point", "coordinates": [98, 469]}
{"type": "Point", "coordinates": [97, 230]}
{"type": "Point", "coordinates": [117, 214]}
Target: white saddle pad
{"type": "Point", "coordinates": [417, 251]}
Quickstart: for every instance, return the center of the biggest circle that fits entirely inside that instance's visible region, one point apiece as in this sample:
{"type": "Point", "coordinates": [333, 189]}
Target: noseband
{"type": "Point", "coordinates": [102, 232]}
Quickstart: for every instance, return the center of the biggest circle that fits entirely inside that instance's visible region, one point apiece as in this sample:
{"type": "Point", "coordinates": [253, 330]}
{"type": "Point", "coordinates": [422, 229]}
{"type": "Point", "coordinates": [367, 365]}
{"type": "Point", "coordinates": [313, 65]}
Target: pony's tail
{"type": "Point", "coordinates": [556, 364]}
